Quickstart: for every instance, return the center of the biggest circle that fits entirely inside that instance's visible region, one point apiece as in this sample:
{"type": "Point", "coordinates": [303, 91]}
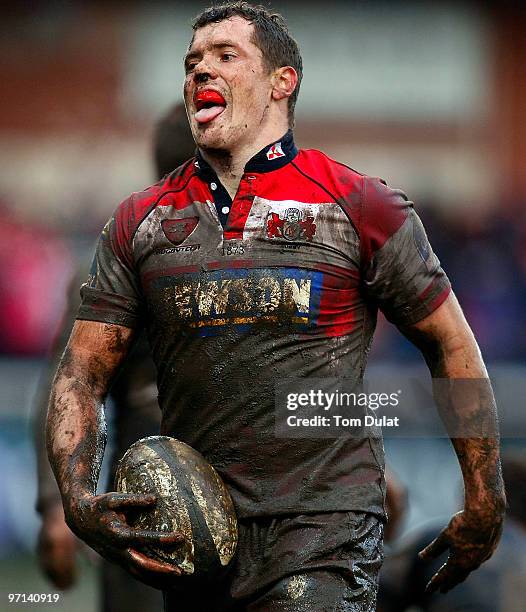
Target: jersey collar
{"type": "Point", "coordinates": [272, 157]}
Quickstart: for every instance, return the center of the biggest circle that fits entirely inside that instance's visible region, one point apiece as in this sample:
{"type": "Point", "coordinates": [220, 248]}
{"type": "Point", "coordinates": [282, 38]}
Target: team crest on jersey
{"type": "Point", "coordinates": [275, 151]}
{"type": "Point", "coordinates": [178, 230]}
{"type": "Point", "coordinates": [294, 225]}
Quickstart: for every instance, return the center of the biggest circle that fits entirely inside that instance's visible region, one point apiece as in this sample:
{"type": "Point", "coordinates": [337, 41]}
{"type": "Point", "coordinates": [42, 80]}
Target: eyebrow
{"type": "Point", "coordinates": [218, 45]}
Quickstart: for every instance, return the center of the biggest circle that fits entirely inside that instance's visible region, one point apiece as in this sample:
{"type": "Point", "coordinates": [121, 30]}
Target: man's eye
{"type": "Point", "coordinates": [226, 57]}
{"type": "Point", "coordinates": [190, 65]}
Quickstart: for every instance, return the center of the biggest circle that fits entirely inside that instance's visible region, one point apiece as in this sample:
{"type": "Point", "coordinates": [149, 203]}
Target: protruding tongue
{"type": "Point", "coordinates": [207, 114]}
{"type": "Point", "coordinates": [215, 105]}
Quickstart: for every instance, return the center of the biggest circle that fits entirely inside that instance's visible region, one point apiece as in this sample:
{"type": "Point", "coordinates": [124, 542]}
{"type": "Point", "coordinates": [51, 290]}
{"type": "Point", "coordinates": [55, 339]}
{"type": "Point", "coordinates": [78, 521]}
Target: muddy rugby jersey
{"type": "Point", "coordinates": [237, 296]}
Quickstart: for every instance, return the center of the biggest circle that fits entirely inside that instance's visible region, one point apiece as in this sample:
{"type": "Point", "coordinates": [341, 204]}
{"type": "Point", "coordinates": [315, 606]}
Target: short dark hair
{"type": "Point", "coordinates": [271, 35]}
{"type": "Point", "coordinates": [173, 143]}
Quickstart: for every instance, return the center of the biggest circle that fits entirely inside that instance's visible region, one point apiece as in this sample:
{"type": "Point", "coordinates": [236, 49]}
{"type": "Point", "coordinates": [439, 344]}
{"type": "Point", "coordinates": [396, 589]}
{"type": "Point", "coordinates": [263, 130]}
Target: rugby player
{"type": "Point", "coordinates": [250, 264]}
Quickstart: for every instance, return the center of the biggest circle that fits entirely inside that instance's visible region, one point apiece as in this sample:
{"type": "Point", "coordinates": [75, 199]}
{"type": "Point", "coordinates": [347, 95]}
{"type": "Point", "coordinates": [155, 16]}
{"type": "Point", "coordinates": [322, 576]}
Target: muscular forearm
{"type": "Point", "coordinates": [48, 497]}
{"type": "Point", "coordinates": [76, 432]}
{"type": "Point", "coordinates": [465, 402]}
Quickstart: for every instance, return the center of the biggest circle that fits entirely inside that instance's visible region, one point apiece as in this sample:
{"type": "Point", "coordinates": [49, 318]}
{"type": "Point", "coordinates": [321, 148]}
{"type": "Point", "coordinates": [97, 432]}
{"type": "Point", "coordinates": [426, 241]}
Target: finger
{"type": "Point", "coordinates": [145, 537]}
{"type": "Point", "coordinates": [116, 501]}
{"type": "Point", "coordinates": [155, 538]}
{"type": "Point", "coordinates": [438, 546]}
{"type": "Point", "coordinates": [152, 565]}
{"type": "Point", "coordinates": [437, 579]}
{"type": "Point", "coordinates": [446, 578]}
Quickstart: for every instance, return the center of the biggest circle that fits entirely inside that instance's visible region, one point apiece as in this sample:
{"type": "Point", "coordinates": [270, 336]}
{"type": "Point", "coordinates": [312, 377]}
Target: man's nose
{"type": "Point", "coordinates": [202, 77]}
{"type": "Point", "coordinates": [204, 72]}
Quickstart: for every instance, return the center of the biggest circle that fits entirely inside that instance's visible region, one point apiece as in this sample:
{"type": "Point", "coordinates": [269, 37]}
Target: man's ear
{"type": "Point", "coordinates": [284, 82]}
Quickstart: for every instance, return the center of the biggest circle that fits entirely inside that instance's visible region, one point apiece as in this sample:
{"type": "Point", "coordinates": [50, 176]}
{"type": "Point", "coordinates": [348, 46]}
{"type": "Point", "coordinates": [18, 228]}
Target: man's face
{"type": "Point", "coordinates": [227, 89]}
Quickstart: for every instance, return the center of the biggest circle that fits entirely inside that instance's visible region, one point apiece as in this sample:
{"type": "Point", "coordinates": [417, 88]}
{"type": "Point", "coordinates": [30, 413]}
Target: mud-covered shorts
{"type": "Point", "coordinates": [302, 563]}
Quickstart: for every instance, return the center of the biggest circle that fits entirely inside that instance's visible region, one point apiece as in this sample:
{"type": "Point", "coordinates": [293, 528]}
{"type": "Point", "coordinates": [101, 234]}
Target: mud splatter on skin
{"type": "Point", "coordinates": [76, 438]}
{"type": "Point", "coordinates": [451, 352]}
{"type": "Point", "coordinates": [76, 430]}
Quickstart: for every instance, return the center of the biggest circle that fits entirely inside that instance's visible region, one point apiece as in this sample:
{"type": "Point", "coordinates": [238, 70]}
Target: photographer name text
{"type": "Point", "coordinates": [336, 420]}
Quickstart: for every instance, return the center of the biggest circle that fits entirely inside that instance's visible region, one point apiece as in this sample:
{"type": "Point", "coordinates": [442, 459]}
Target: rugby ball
{"type": "Point", "coordinates": [191, 499]}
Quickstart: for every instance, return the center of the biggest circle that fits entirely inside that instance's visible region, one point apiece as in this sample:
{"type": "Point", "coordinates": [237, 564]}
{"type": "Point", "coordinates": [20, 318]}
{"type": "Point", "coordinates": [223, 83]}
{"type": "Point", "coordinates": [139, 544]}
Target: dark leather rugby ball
{"type": "Point", "coordinates": [191, 499]}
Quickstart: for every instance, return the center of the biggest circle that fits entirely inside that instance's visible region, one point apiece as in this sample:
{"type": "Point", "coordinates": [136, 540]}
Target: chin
{"type": "Point", "coordinates": [210, 137]}
{"type": "Point", "coordinates": [209, 144]}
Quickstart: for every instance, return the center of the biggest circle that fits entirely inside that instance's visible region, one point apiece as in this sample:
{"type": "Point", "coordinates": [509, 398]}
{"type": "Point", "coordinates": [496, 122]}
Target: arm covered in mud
{"type": "Point", "coordinates": [76, 438]}
{"type": "Point", "coordinates": [466, 405]}
{"type": "Point", "coordinates": [57, 546]}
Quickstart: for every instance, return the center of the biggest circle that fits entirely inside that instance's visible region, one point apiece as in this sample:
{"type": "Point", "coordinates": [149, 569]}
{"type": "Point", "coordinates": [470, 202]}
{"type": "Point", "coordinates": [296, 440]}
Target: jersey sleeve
{"type": "Point", "coordinates": [112, 292]}
{"type": "Point", "coordinates": [400, 271]}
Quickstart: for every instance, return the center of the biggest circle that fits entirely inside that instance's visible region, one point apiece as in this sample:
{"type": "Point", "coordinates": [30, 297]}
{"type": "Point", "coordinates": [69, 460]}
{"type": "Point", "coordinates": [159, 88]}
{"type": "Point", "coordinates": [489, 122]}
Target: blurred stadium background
{"type": "Point", "coordinates": [432, 97]}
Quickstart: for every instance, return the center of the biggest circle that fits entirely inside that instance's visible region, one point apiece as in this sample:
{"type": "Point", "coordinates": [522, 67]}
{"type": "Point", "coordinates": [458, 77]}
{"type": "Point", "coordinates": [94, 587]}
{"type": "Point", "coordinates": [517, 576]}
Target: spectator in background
{"type": "Point", "coordinates": [35, 268]}
{"type": "Point", "coordinates": [137, 415]}
{"type": "Point", "coordinates": [499, 585]}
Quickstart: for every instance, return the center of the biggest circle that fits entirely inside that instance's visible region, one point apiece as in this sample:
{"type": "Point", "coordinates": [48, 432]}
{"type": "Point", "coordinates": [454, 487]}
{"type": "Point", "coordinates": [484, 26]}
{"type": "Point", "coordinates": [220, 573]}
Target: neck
{"type": "Point", "coordinates": [228, 167]}
{"type": "Point", "coordinates": [229, 164]}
